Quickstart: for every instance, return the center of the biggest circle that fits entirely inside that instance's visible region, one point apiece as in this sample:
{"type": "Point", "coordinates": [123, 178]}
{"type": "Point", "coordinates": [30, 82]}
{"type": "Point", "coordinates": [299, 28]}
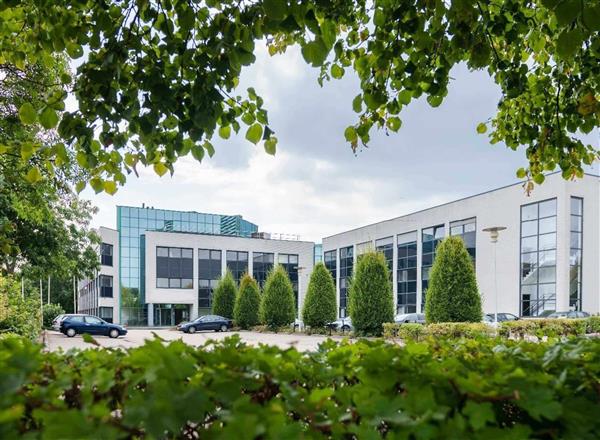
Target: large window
{"type": "Point", "coordinates": [106, 313]}
{"type": "Point", "coordinates": [237, 263]}
{"type": "Point", "coordinates": [430, 239]}
{"type": "Point", "coordinates": [386, 247]}
{"type": "Point", "coordinates": [174, 268]}
{"type": "Point", "coordinates": [575, 293]}
{"type": "Point", "coordinates": [346, 266]}
{"type": "Point", "coordinates": [106, 254]}
{"type": "Point", "coordinates": [330, 260]}
{"type": "Point", "coordinates": [538, 258]}
{"type": "Point", "coordinates": [262, 263]}
{"type": "Point", "coordinates": [290, 264]}
{"type": "Point", "coordinates": [209, 272]}
{"type": "Point", "coordinates": [407, 273]}
{"type": "Point", "coordinates": [467, 230]}
{"type": "Point", "coordinates": [106, 286]}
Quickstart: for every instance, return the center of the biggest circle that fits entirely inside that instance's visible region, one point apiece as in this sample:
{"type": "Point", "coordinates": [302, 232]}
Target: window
{"type": "Point", "coordinates": [330, 260]}
{"type": "Point", "coordinates": [467, 230]}
{"type": "Point", "coordinates": [575, 253]}
{"type": "Point", "coordinates": [92, 320]}
{"type": "Point", "coordinates": [106, 254]}
{"type": "Point", "coordinates": [346, 266]}
{"type": "Point", "coordinates": [106, 313]}
{"type": "Point", "coordinates": [386, 247]}
{"type": "Point", "coordinates": [538, 258]}
{"type": "Point", "coordinates": [290, 264]}
{"type": "Point", "coordinates": [209, 272]}
{"type": "Point", "coordinates": [174, 268]}
{"type": "Point", "coordinates": [237, 263]}
{"type": "Point", "coordinates": [430, 239]}
{"type": "Point", "coordinates": [262, 263]}
{"type": "Point", "coordinates": [106, 286]}
{"type": "Point", "coordinates": [365, 247]}
{"type": "Point", "coordinates": [407, 273]}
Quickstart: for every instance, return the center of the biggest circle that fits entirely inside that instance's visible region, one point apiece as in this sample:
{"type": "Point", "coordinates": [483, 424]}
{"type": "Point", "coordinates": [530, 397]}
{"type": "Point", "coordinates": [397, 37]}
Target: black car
{"type": "Point", "coordinates": [206, 322]}
{"type": "Point", "coordinates": [72, 325]}
{"type": "Point", "coordinates": [502, 317]}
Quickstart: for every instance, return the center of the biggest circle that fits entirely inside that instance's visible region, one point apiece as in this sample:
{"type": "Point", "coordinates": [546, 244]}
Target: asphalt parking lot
{"type": "Point", "coordinates": [136, 337]}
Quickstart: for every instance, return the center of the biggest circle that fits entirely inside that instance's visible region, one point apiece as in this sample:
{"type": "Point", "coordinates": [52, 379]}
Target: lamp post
{"type": "Point", "coordinates": [494, 232]}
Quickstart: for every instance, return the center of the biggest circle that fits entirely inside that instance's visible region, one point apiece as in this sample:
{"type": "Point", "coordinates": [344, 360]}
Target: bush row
{"type": "Point", "coordinates": [472, 388]}
{"type": "Point", "coordinates": [512, 329]}
{"type": "Point", "coordinates": [19, 315]}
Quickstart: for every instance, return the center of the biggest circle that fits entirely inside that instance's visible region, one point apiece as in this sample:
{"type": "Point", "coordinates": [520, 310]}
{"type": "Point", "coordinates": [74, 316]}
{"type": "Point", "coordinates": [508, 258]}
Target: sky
{"type": "Point", "coordinates": [315, 186]}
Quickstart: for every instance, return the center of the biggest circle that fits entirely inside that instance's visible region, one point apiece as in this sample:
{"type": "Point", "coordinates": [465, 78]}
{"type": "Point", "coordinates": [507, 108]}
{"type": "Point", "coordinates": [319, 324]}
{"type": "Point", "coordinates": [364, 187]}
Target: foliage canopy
{"type": "Point", "coordinates": [224, 296]}
{"type": "Point", "coordinates": [158, 80]}
{"type": "Point", "coordinates": [247, 303]}
{"type": "Point", "coordinates": [278, 305]}
{"type": "Point", "coordinates": [320, 306]}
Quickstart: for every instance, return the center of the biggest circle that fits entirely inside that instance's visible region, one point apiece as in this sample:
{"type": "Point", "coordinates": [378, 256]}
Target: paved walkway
{"type": "Point", "coordinates": [136, 337]}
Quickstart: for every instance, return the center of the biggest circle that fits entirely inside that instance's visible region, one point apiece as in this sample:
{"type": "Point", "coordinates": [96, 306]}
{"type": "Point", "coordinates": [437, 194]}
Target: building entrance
{"type": "Point", "coordinates": [167, 315]}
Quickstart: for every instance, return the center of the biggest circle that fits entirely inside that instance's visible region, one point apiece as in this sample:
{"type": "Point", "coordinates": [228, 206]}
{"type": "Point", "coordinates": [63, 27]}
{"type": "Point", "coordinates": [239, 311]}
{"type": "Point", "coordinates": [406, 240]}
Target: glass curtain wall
{"type": "Point", "coordinates": [386, 247]}
{"type": "Point", "coordinates": [237, 263]}
{"type": "Point", "coordinates": [346, 266]}
{"type": "Point", "coordinates": [290, 264]}
{"type": "Point", "coordinates": [430, 240]}
{"type": "Point", "coordinates": [262, 263]}
{"type": "Point", "coordinates": [209, 273]}
{"type": "Point", "coordinates": [575, 253]}
{"type": "Point", "coordinates": [538, 258]}
{"type": "Point", "coordinates": [330, 260]}
{"type": "Point", "coordinates": [467, 230]}
{"type": "Point", "coordinates": [407, 273]}
{"type": "Point", "coordinates": [174, 268]}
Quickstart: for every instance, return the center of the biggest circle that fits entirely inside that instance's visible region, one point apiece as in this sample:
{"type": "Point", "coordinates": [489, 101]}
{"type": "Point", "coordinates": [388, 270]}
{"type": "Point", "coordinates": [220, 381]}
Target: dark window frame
{"type": "Point", "coordinates": [106, 259]}
{"type": "Point", "coordinates": [576, 301]}
{"type": "Point", "coordinates": [176, 268]}
{"type": "Point", "coordinates": [209, 273]}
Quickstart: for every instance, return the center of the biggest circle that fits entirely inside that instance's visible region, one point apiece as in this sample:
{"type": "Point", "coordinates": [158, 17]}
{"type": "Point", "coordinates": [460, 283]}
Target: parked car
{"type": "Point", "coordinates": [56, 321]}
{"type": "Point", "coordinates": [75, 324]}
{"type": "Point", "coordinates": [413, 318]}
{"type": "Point", "coordinates": [342, 324]}
{"type": "Point", "coordinates": [503, 317]}
{"type": "Point", "coordinates": [206, 322]}
{"type": "Point", "coordinates": [570, 314]}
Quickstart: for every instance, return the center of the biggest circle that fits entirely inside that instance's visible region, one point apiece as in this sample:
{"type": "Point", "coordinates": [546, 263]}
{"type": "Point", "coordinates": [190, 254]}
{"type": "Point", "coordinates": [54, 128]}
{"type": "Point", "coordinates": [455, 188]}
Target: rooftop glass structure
{"type": "Point", "coordinates": [133, 222]}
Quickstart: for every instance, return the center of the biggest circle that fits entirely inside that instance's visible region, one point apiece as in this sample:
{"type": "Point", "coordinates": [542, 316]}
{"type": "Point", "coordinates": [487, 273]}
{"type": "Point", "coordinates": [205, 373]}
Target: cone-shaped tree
{"type": "Point", "coordinates": [224, 296]}
{"type": "Point", "coordinates": [247, 303]}
{"type": "Point", "coordinates": [277, 307]}
{"type": "Point", "coordinates": [371, 300]}
{"type": "Point", "coordinates": [319, 305]}
{"type": "Point", "coordinates": [452, 295]}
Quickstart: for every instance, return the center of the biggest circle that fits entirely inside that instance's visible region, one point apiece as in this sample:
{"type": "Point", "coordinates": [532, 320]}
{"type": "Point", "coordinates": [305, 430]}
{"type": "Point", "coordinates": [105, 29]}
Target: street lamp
{"type": "Point", "coordinates": [494, 232]}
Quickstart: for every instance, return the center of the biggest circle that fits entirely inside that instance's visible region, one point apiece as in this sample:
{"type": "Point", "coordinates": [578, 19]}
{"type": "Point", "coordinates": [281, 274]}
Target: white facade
{"type": "Point", "coordinates": [500, 207]}
{"type": "Point", "coordinates": [95, 296]}
{"type": "Point", "coordinates": [158, 295]}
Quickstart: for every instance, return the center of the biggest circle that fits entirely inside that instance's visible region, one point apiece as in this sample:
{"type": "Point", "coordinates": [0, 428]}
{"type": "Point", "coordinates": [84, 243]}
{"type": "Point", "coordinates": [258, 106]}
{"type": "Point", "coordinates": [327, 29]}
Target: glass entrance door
{"type": "Point", "coordinates": [168, 315]}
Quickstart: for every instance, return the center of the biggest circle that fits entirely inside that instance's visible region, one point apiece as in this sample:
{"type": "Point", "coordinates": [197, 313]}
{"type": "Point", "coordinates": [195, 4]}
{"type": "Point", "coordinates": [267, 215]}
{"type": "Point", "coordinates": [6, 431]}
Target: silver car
{"type": "Point", "coordinates": [413, 318]}
{"type": "Point", "coordinates": [342, 324]}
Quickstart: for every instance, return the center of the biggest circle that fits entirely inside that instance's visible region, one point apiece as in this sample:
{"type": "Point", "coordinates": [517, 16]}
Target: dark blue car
{"type": "Point", "coordinates": [206, 322]}
{"type": "Point", "coordinates": [77, 324]}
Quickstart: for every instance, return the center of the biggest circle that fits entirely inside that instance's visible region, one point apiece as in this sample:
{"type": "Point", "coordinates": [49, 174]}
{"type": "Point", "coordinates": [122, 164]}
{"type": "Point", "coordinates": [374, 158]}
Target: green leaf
{"type": "Point", "coordinates": [394, 123]}
{"type": "Point", "coordinates": [566, 11]}
{"type": "Point", "coordinates": [160, 168]}
{"type": "Point", "coordinates": [97, 184]}
{"type": "Point", "coordinates": [479, 413]}
{"type": "Point", "coordinates": [33, 175]}
{"type": "Point", "coordinates": [434, 100]}
{"type": "Point", "coordinates": [74, 50]}
{"type": "Point", "coordinates": [79, 186]}
{"type": "Point", "coordinates": [591, 17]}
{"type": "Point", "coordinates": [539, 178]}
{"type": "Point", "coordinates": [254, 133]}
{"type": "Point", "coordinates": [481, 128]}
{"type": "Point", "coordinates": [379, 18]}
{"type": "Point", "coordinates": [521, 173]}
{"type": "Point", "coordinates": [225, 132]}
{"type": "Point", "coordinates": [337, 71]}
{"type": "Point", "coordinates": [569, 42]}
{"type": "Point", "coordinates": [48, 118]}
{"type": "Point", "coordinates": [209, 148]}
{"type": "Point", "coordinates": [357, 103]}
{"type": "Point", "coordinates": [275, 9]}
{"type": "Point", "coordinates": [350, 134]}
{"type": "Point", "coordinates": [27, 113]}
{"type": "Point", "coordinates": [315, 52]}
{"type": "Point", "coordinates": [110, 187]}
{"type": "Point", "coordinates": [404, 97]}
{"type": "Point", "coordinates": [198, 152]}
{"type": "Point", "coordinates": [271, 145]}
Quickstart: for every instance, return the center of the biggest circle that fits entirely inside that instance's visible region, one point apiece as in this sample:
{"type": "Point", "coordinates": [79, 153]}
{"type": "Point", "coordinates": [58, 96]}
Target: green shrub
{"type": "Point", "coordinates": [543, 328]}
{"type": "Point", "coordinates": [320, 306]}
{"type": "Point", "coordinates": [19, 315]}
{"type": "Point", "coordinates": [277, 307]}
{"type": "Point", "coordinates": [406, 332]}
{"type": "Point", "coordinates": [452, 295]}
{"type": "Point", "coordinates": [468, 389]}
{"type": "Point", "coordinates": [224, 296]}
{"type": "Point", "coordinates": [459, 330]}
{"type": "Point", "coordinates": [50, 312]}
{"type": "Point", "coordinates": [247, 303]}
{"type": "Point", "coordinates": [592, 324]}
{"type": "Point", "coordinates": [371, 300]}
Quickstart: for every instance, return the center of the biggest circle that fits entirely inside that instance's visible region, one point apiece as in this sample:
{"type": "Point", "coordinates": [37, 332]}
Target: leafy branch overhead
{"type": "Point", "coordinates": [157, 79]}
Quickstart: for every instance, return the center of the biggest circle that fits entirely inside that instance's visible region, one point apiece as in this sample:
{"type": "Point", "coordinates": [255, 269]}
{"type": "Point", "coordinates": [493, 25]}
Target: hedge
{"type": "Point", "coordinates": [476, 389]}
{"type": "Point", "coordinates": [544, 327]}
{"type": "Point", "coordinates": [51, 311]}
{"type": "Point", "coordinates": [417, 332]}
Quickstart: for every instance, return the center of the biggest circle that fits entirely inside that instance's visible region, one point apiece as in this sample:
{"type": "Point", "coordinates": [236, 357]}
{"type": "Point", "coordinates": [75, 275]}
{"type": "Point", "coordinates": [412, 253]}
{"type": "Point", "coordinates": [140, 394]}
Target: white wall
{"type": "Point", "coordinates": [155, 295]}
{"type": "Point", "coordinates": [501, 207]}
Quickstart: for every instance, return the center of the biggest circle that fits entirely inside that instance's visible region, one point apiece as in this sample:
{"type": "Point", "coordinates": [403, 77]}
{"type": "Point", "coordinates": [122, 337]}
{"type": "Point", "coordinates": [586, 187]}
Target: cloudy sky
{"type": "Point", "coordinates": [315, 186]}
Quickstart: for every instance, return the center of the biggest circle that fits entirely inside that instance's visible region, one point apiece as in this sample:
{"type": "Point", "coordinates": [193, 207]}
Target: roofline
{"type": "Point", "coordinates": [228, 236]}
{"type": "Point", "coordinates": [191, 212]}
{"type": "Point", "coordinates": [443, 204]}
